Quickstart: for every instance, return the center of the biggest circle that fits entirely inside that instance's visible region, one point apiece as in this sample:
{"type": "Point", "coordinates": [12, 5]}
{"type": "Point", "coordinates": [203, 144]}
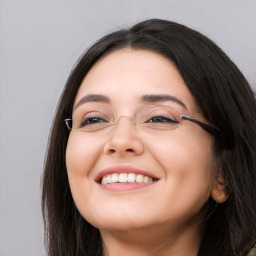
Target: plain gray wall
{"type": "Point", "coordinates": [40, 42]}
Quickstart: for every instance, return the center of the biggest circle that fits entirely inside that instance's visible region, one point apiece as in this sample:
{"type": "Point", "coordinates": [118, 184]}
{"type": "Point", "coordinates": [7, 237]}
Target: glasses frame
{"type": "Point", "coordinates": [209, 128]}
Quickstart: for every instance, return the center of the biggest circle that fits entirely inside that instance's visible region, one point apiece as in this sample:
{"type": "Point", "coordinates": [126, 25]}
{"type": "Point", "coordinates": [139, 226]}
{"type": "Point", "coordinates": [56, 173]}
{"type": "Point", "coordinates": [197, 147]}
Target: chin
{"type": "Point", "coordinates": [119, 221]}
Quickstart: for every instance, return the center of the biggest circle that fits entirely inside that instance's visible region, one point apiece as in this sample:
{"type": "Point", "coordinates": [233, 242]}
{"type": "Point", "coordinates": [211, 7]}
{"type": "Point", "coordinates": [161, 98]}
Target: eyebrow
{"type": "Point", "coordinates": [154, 98]}
{"type": "Point", "coordinates": [149, 98]}
{"type": "Point", "coordinates": [92, 98]}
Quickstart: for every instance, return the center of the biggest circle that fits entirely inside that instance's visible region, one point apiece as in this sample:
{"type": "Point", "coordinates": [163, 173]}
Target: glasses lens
{"type": "Point", "coordinates": [158, 117]}
{"type": "Point", "coordinates": [94, 119]}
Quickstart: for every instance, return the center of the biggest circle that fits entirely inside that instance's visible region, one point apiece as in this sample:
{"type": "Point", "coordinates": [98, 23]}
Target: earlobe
{"type": "Point", "coordinates": [219, 191]}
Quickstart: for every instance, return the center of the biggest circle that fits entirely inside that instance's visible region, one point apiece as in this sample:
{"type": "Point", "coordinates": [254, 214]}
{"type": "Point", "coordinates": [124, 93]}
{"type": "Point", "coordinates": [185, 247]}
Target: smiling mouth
{"type": "Point", "coordinates": [126, 178]}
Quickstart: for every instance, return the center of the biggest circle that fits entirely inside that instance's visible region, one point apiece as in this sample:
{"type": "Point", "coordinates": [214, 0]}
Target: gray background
{"type": "Point", "coordinates": [40, 41]}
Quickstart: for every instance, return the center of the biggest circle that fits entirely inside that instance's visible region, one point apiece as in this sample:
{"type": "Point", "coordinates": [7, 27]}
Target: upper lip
{"type": "Point", "coordinates": [123, 169]}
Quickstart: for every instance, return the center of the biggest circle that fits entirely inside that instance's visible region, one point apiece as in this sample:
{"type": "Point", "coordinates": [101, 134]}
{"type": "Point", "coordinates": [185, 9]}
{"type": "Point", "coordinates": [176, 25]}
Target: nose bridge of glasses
{"type": "Point", "coordinates": [130, 119]}
{"type": "Point", "coordinates": [124, 128]}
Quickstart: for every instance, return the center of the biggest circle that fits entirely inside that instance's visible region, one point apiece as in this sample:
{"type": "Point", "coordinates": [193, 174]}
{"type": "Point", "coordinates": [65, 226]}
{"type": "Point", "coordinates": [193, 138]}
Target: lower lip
{"type": "Point", "coordinates": [125, 186]}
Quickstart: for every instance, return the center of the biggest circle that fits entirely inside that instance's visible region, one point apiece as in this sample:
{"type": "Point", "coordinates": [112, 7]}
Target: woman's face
{"type": "Point", "coordinates": [177, 161]}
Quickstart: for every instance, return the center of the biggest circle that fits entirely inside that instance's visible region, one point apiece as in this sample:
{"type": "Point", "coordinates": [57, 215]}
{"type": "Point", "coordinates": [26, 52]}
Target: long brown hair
{"type": "Point", "coordinates": [226, 101]}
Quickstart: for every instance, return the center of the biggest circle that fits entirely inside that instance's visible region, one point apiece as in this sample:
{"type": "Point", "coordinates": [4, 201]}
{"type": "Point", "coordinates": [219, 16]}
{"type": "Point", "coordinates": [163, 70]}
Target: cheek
{"type": "Point", "coordinates": [187, 162]}
{"type": "Point", "coordinates": [81, 156]}
{"type": "Point", "coordinates": [82, 153]}
{"type": "Point", "coordinates": [184, 151]}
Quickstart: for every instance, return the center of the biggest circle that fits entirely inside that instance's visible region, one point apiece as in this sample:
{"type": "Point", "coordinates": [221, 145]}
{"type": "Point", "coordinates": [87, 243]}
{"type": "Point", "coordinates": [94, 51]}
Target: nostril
{"type": "Point", "coordinates": [121, 144]}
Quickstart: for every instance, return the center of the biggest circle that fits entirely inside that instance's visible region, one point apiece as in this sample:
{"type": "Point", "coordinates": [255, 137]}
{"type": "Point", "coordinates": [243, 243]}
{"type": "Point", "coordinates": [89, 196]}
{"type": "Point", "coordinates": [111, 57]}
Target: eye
{"type": "Point", "coordinates": [162, 119]}
{"type": "Point", "coordinates": [92, 121]}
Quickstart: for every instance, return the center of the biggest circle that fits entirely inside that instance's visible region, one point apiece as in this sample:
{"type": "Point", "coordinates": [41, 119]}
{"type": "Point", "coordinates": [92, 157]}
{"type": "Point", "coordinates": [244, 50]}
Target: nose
{"type": "Point", "coordinates": [124, 139]}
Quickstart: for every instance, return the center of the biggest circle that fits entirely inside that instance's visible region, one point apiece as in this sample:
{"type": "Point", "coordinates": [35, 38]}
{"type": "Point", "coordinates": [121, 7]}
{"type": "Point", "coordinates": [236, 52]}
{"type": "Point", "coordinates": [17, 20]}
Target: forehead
{"type": "Point", "coordinates": [125, 75]}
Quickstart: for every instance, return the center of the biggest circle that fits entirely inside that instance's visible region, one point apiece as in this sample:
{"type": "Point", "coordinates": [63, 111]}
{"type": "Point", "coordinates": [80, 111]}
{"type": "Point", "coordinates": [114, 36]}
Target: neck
{"type": "Point", "coordinates": [145, 242]}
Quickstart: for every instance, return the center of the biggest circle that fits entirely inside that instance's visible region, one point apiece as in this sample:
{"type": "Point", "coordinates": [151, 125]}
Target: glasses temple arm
{"type": "Point", "coordinates": [211, 129]}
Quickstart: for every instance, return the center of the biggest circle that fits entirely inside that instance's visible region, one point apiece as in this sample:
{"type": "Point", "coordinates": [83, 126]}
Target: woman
{"type": "Point", "coordinates": [158, 156]}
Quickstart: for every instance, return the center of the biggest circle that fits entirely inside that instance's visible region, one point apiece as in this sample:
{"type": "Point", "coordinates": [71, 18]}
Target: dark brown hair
{"type": "Point", "coordinates": [225, 99]}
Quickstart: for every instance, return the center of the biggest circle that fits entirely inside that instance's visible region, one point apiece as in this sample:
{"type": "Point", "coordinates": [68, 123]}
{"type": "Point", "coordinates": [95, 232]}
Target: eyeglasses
{"type": "Point", "coordinates": [158, 117]}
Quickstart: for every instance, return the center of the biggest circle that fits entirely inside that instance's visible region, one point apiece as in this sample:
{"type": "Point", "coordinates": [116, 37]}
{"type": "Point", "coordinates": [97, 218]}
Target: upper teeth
{"type": "Point", "coordinates": [125, 177]}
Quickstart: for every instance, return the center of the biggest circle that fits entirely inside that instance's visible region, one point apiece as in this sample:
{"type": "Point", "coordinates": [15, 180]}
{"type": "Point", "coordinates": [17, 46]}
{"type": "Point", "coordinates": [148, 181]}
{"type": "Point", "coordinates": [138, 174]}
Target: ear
{"type": "Point", "coordinates": [219, 191]}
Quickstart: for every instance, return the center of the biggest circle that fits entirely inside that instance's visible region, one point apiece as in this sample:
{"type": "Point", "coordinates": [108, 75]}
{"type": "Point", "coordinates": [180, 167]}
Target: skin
{"type": "Point", "coordinates": [161, 219]}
